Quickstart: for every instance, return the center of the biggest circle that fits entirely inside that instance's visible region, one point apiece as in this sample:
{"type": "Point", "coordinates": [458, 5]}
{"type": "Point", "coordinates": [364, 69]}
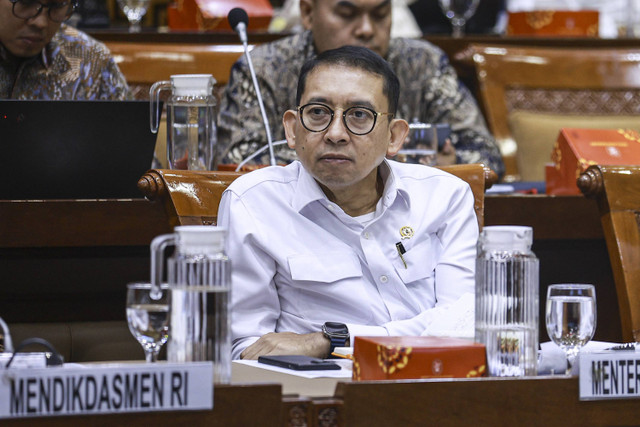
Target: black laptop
{"type": "Point", "coordinates": [73, 149]}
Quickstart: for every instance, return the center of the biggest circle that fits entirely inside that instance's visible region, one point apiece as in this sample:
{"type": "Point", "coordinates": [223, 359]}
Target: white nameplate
{"type": "Point", "coordinates": [103, 389]}
{"type": "Point", "coordinates": [609, 375]}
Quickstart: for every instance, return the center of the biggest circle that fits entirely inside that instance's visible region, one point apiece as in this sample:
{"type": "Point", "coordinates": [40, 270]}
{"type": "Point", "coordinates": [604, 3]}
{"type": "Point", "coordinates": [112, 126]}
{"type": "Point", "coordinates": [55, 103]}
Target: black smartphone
{"type": "Point", "coordinates": [299, 363]}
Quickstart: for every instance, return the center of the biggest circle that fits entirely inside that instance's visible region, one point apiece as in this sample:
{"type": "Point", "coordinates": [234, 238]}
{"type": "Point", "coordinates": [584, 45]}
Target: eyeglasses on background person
{"type": "Point", "coordinates": [316, 117]}
{"type": "Point", "coordinates": [58, 11]}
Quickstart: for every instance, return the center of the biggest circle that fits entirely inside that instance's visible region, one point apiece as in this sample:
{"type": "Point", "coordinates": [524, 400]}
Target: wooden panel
{"type": "Point", "coordinates": [551, 401]}
{"type": "Point", "coordinates": [251, 405]}
{"type": "Point", "coordinates": [74, 223]}
{"type": "Point", "coordinates": [152, 62]}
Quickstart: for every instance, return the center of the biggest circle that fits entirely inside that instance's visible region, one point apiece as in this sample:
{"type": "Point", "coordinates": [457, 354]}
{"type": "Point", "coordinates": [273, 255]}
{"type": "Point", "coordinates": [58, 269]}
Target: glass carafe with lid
{"type": "Point", "coordinates": [507, 300]}
{"type": "Point", "coordinates": [191, 125]}
{"type": "Point", "coordinates": [199, 279]}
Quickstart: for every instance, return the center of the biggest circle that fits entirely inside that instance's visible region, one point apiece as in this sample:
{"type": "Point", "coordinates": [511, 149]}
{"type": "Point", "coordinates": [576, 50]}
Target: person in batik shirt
{"type": "Point", "coordinates": [42, 58]}
{"type": "Point", "coordinates": [430, 91]}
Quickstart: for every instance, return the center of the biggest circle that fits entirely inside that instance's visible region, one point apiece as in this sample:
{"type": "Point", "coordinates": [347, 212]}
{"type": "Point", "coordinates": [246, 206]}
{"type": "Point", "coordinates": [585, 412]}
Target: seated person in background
{"type": "Point", "coordinates": [42, 58]}
{"type": "Point", "coordinates": [344, 235]}
{"type": "Point", "coordinates": [430, 90]}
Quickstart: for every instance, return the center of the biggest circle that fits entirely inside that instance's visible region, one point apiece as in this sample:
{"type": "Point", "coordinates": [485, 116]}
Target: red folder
{"type": "Point", "coordinates": [211, 15]}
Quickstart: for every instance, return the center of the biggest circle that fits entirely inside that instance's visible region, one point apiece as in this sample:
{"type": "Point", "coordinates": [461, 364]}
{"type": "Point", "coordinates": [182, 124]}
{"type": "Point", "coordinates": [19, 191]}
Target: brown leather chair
{"type": "Point", "coordinates": [529, 93]}
{"type": "Point", "coordinates": [617, 191]}
{"type": "Point", "coordinates": [192, 197]}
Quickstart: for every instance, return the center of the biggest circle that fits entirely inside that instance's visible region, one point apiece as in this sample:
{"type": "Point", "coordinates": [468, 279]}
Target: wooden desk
{"type": "Point", "coordinates": [457, 402]}
{"type": "Point", "coordinates": [545, 401]}
{"type": "Point", "coordinates": [70, 260]}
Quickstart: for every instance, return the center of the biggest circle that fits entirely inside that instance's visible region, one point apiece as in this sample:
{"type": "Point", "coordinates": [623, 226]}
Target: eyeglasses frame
{"type": "Point", "coordinates": [74, 5]}
{"type": "Point", "coordinates": [375, 113]}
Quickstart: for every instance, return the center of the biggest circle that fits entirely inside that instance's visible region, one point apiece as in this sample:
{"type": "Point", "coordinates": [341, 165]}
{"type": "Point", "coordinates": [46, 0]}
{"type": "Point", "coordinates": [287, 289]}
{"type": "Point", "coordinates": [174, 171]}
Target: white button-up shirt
{"type": "Point", "coordinates": [298, 260]}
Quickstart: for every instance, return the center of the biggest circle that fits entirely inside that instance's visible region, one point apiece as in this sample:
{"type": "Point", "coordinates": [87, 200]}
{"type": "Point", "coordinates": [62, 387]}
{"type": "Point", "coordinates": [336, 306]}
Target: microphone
{"type": "Point", "coordinates": [238, 19]}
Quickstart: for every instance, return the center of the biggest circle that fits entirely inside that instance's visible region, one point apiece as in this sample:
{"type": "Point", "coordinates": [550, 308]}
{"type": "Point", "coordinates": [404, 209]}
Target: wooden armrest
{"type": "Point", "coordinates": [189, 197]}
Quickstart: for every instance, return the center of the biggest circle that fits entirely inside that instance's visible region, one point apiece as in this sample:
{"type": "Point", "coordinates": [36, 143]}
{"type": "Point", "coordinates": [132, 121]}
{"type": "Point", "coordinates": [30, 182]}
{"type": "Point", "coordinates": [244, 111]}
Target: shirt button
{"type": "Point", "coordinates": [384, 279]}
{"type": "Point", "coordinates": [367, 235]}
{"type": "Point", "coordinates": [330, 207]}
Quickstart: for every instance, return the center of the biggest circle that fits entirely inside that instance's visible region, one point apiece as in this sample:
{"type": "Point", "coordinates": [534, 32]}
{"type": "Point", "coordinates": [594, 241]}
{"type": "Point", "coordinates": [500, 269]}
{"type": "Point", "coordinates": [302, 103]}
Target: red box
{"type": "Point", "coordinates": [211, 15]}
{"type": "Point", "coordinates": [554, 23]}
{"type": "Point", "coordinates": [577, 149]}
{"type": "Point", "coordinates": [391, 358]}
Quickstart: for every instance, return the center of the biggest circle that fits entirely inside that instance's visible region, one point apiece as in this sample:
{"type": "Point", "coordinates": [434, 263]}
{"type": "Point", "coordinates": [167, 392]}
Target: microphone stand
{"type": "Point", "coordinates": [258, 152]}
{"type": "Point", "coordinates": [241, 28]}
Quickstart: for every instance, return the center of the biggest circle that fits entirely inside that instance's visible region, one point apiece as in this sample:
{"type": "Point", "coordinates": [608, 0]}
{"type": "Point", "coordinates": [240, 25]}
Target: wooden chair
{"type": "Point", "coordinates": [146, 63]}
{"type": "Point", "coordinates": [192, 197]}
{"type": "Point", "coordinates": [617, 191]}
{"type": "Point", "coordinates": [529, 93]}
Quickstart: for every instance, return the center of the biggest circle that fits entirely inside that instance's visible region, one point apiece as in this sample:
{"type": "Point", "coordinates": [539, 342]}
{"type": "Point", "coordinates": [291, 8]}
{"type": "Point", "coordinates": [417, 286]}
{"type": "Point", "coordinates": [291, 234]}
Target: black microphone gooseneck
{"type": "Point", "coordinates": [238, 19]}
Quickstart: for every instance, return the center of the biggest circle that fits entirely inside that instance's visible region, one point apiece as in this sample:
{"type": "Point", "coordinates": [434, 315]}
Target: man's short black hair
{"type": "Point", "coordinates": [355, 57]}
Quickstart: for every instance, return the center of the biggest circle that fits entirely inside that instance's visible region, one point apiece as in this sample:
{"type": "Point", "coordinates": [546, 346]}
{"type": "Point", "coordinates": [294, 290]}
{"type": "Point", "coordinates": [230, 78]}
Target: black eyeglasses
{"type": "Point", "coordinates": [58, 11]}
{"type": "Point", "coordinates": [316, 117]}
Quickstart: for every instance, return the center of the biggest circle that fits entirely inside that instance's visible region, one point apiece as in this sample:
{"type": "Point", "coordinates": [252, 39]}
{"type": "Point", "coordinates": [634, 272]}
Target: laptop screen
{"type": "Point", "coordinates": [73, 149]}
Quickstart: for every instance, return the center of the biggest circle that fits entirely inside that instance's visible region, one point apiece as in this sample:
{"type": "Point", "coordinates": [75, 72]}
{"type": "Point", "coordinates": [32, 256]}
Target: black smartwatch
{"type": "Point", "coordinates": [338, 334]}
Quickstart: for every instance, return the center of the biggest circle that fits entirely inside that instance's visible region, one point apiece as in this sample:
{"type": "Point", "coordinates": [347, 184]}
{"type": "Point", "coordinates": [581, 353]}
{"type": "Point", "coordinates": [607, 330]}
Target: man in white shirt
{"type": "Point", "coordinates": [344, 242]}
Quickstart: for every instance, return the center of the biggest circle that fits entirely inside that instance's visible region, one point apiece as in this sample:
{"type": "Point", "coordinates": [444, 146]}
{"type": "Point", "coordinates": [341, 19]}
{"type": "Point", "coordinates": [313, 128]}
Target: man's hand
{"type": "Point", "coordinates": [446, 156]}
{"type": "Point", "coordinates": [314, 344]}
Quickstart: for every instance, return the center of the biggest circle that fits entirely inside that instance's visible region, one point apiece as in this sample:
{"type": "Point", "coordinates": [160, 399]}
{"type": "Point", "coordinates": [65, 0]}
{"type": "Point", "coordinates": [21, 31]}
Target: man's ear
{"type": "Point", "coordinates": [306, 11]}
{"type": "Point", "coordinates": [399, 130]}
{"type": "Point", "coordinates": [289, 120]}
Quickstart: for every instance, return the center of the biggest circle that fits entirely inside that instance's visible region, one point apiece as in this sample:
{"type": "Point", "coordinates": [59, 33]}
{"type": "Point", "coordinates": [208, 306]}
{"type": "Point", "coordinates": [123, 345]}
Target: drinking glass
{"type": "Point", "coordinates": [571, 317]}
{"type": "Point", "coordinates": [421, 145]}
{"type": "Point", "coordinates": [458, 11]}
{"type": "Point", "coordinates": [134, 10]}
{"type": "Point", "coordinates": [148, 318]}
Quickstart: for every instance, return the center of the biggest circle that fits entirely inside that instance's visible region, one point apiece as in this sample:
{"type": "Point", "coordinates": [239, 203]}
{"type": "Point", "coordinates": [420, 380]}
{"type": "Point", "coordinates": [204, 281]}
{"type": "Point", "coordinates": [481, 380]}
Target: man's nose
{"type": "Point", "coordinates": [40, 21]}
{"type": "Point", "coordinates": [337, 131]}
{"type": "Point", "coordinates": [365, 28]}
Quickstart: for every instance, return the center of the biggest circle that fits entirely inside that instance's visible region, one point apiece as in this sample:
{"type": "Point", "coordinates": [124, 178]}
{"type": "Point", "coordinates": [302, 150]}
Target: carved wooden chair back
{"type": "Point", "coordinates": [529, 93]}
{"type": "Point", "coordinates": [617, 191]}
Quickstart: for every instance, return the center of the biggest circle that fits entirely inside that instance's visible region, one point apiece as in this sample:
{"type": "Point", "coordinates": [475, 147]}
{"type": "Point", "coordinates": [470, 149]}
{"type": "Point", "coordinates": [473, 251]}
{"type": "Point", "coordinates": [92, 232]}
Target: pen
{"type": "Point", "coordinates": [401, 251]}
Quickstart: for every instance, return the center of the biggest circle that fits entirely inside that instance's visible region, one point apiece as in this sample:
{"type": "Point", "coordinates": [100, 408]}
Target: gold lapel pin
{"type": "Point", "coordinates": [406, 232]}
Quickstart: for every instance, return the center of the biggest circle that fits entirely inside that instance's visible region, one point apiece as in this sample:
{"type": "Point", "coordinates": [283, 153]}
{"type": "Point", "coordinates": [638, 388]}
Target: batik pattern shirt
{"type": "Point", "coordinates": [430, 92]}
{"type": "Point", "coordinates": [73, 66]}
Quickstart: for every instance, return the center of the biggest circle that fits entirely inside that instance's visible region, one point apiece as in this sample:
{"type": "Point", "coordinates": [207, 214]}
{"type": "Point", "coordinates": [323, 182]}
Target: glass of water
{"type": "Point", "coordinates": [134, 10]}
{"type": "Point", "coordinates": [458, 12]}
{"type": "Point", "coordinates": [571, 317]}
{"type": "Point", "coordinates": [148, 318]}
{"type": "Point", "coordinates": [421, 145]}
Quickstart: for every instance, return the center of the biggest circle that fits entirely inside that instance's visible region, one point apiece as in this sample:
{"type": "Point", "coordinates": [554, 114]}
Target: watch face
{"type": "Point", "coordinates": [335, 328]}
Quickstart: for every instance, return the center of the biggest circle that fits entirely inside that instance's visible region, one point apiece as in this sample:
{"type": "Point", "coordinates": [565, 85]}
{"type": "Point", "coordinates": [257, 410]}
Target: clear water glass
{"type": "Point", "coordinates": [458, 12]}
{"type": "Point", "coordinates": [148, 317]}
{"type": "Point", "coordinates": [134, 10]}
{"type": "Point", "coordinates": [571, 317]}
{"type": "Point", "coordinates": [421, 145]}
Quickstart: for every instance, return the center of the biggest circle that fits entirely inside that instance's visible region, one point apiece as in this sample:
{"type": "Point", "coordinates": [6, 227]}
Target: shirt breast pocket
{"type": "Point", "coordinates": [326, 267]}
{"type": "Point", "coordinates": [421, 261]}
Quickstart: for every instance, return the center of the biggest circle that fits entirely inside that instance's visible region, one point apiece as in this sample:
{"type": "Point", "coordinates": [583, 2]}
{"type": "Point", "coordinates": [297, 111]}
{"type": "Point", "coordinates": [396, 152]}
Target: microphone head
{"type": "Point", "coordinates": [236, 16]}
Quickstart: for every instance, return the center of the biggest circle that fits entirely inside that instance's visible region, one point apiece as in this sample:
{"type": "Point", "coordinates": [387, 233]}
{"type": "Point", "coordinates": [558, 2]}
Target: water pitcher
{"type": "Point", "coordinates": [507, 300]}
{"type": "Point", "coordinates": [199, 278]}
{"type": "Point", "coordinates": [191, 126]}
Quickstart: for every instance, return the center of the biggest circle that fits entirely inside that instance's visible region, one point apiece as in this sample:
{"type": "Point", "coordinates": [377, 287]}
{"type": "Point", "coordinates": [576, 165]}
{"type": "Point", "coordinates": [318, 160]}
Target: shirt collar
{"type": "Point", "coordinates": [309, 191]}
